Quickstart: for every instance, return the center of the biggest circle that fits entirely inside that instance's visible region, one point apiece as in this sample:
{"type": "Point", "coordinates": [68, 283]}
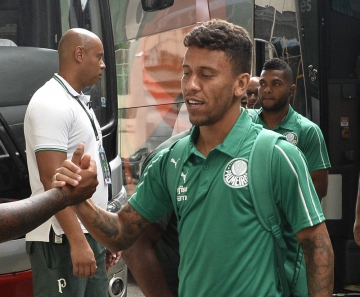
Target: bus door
{"type": "Point", "coordinates": [316, 39]}
{"type": "Point", "coordinates": [331, 51]}
{"type": "Point", "coordinates": [30, 31]}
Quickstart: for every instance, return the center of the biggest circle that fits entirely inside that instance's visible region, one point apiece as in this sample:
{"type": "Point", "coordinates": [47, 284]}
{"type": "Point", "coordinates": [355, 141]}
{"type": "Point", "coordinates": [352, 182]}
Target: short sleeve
{"type": "Point", "coordinates": [315, 149]}
{"type": "Point", "coordinates": [49, 125]}
{"type": "Point", "coordinates": [294, 190]}
{"type": "Point", "coordinates": [151, 198]}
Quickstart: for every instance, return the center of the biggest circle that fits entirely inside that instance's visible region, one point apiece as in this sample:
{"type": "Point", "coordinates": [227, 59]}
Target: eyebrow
{"type": "Point", "coordinates": [277, 80]}
{"type": "Point", "coordinates": [273, 80]}
{"type": "Point", "coordinates": [201, 67]}
{"type": "Point", "coordinates": [207, 68]}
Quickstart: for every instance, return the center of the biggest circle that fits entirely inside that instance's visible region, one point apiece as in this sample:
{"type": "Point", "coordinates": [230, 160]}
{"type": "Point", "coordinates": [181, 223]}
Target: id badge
{"type": "Point", "coordinates": [104, 166]}
{"type": "Point", "coordinates": [58, 239]}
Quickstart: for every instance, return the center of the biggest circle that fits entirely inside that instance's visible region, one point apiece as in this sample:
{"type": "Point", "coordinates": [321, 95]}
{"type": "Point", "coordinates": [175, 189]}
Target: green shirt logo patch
{"type": "Point", "coordinates": [235, 173]}
{"type": "Point", "coordinates": [291, 137]}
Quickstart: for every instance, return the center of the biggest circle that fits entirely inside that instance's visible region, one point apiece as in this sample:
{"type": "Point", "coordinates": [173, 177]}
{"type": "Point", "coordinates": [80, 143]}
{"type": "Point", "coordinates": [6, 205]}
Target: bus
{"type": "Point", "coordinates": [320, 41]}
{"type": "Point", "coordinates": [29, 34]}
{"type": "Point", "coordinates": [139, 102]}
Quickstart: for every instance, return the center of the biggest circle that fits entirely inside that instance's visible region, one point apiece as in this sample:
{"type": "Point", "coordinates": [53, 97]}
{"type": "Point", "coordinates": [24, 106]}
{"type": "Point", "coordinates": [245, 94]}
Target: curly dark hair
{"type": "Point", "coordinates": [278, 64]}
{"type": "Point", "coordinates": [221, 35]}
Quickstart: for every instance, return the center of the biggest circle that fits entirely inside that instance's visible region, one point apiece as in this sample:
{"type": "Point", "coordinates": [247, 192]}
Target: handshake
{"type": "Point", "coordinates": [77, 179]}
{"type": "Point", "coordinates": [73, 183]}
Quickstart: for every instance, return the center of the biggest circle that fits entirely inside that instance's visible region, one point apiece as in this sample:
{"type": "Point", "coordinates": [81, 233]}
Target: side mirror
{"type": "Point", "coordinates": [153, 5]}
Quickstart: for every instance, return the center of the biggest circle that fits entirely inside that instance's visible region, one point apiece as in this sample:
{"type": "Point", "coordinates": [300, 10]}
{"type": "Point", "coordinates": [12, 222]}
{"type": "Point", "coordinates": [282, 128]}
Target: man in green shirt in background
{"type": "Point", "coordinates": [275, 90]}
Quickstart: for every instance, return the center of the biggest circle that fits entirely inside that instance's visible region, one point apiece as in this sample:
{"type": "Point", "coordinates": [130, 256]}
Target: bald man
{"type": "Point", "coordinates": [62, 254]}
{"type": "Point", "coordinates": [252, 93]}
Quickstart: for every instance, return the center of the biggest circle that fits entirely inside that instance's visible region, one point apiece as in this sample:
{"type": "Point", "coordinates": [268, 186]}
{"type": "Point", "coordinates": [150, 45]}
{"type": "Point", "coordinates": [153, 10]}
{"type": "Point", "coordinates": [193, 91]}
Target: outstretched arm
{"type": "Point", "coordinates": [116, 231]}
{"type": "Point", "coordinates": [319, 257]}
{"type": "Point", "coordinates": [20, 217]}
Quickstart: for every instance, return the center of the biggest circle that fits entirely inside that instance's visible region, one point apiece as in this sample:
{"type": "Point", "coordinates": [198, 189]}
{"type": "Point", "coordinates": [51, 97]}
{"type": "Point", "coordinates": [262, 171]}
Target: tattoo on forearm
{"type": "Point", "coordinates": [106, 224]}
{"type": "Point", "coordinates": [320, 264]}
{"type": "Point", "coordinates": [133, 222]}
{"type": "Point", "coordinates": [125, 234]}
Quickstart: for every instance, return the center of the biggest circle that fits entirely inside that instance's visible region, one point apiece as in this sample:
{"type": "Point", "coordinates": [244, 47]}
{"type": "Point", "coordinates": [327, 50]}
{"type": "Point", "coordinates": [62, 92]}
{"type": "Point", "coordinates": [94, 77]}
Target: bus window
{"type": "Point", "coordinates": [42, 23]}
{"type": "Point", "coordinates": [149, 52]}
{"type": "Point", "coordinates": [238, 12]}
{"type": "Point", "coordinates": [151, 5]}
{"type": "Point", "coordinates": [131, 22]}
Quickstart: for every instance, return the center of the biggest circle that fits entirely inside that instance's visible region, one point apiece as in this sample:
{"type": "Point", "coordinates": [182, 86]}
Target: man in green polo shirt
{"type": "Point", "coordinates": [275, 90]}
{"type": "Point", "coordinates": [224, 250]}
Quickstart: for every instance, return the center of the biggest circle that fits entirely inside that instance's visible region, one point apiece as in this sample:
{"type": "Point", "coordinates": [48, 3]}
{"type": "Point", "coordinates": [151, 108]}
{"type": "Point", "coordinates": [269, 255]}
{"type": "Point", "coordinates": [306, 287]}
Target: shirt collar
{"type": "Point", "coordinates": [287, 123]}
{"type": "Point", "coordinates": [84, 98]}
{"type": "Point", "coordinates": [233, 141]}
{"type": "Point", "coordinates": [67, 85]}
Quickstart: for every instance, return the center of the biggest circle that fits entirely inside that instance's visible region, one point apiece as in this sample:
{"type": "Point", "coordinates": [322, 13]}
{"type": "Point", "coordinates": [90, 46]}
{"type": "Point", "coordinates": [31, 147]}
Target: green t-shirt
{"type": "Point", "coordinates": [224, 250]}
{"type": "Point", "coordinates": [303, 133]}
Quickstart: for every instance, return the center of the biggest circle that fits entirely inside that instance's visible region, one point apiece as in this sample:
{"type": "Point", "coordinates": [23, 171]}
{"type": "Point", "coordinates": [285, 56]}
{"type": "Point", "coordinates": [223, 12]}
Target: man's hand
{"type": "Point", "coordinates": [77, 178]}
{"type": "Point", "coordinates": [83, 260]}
{"type": "Point", "coordinates": [112, 258]}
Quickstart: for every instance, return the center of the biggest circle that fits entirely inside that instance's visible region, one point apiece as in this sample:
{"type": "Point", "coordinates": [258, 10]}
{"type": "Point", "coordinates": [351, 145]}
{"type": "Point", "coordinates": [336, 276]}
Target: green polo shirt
{"type": "Point", "coordinates": [303, 133]}
{"type": "Point", "coordinates": [224, 250]}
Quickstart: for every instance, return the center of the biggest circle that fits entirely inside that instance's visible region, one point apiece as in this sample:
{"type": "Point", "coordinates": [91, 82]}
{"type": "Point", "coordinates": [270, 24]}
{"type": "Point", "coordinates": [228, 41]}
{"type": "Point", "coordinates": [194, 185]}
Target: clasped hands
{"type": "Point", "coordinates": [77, 178]}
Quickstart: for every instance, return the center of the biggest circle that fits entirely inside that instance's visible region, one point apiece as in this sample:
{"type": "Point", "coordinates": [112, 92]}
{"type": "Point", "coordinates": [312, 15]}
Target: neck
{"type": "Point", "coordinates": [211, 136]}
{"type": "Point", "coordinates": [274, 118]}
{"type": "Point", "coordinates": [71, 80]}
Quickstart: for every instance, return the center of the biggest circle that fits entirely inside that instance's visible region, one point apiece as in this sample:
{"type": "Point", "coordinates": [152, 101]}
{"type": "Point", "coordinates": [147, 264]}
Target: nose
{"type": "Point", "coordinates": [267, 89]}
{"type": "Point", "coordinates": [191, 83]}
{"type": "Point", "coordinates": [102, 64]}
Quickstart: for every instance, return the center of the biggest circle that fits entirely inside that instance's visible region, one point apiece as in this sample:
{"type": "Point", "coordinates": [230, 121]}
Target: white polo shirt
{"type": "Point", "coordinates": [55, 120]}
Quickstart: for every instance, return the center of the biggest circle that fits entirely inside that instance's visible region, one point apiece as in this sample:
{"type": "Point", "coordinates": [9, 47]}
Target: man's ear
{"type": "Point", "coordinates": [292, 89]}
{"type": "Point", "coordinates": [79, 52]}
{"type": "Point", "coordinates": [241, 82]}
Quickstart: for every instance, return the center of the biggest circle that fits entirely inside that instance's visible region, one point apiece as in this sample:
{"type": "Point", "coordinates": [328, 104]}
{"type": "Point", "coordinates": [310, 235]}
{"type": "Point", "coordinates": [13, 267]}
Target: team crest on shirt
{"type": "Point", "coordinates": [236, 173]}
{"type": "Point", "coordinates": [291, 137]}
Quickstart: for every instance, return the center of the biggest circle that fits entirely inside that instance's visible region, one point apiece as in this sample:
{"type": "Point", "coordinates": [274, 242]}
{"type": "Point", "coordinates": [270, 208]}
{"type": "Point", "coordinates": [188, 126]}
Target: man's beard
{"type": "Point", "coordinates": [279, 105]}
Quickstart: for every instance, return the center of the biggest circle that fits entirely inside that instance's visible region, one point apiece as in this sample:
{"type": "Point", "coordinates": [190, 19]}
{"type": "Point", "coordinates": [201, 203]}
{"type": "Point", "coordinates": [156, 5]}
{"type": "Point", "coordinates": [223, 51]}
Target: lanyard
{"type": "Point", "coordinates": [83, 107]}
